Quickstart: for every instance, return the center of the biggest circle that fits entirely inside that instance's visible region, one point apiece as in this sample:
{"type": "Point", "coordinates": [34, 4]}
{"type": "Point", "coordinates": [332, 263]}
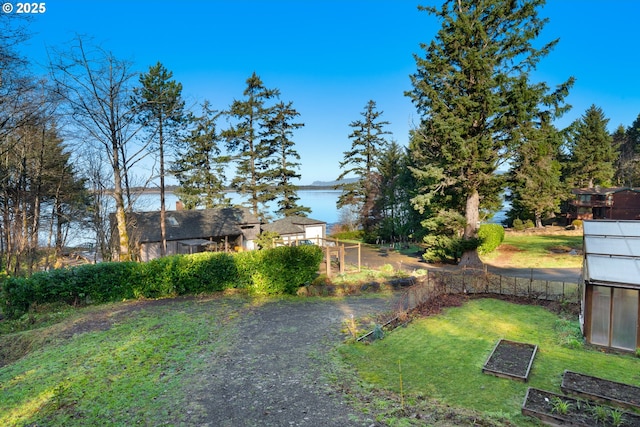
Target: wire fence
{"type": "Point", "coordinates": [436, 283]}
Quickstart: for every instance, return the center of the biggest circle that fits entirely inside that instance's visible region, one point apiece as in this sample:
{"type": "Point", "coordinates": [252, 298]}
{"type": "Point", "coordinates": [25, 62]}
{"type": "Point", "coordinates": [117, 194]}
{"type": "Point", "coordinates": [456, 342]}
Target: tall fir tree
{"type": "Point", "coordinates": [361, 162]}
{"type": "Point", "coordinates": [243, 140]}
{"type": "Point", "coordinates": [628, 169]}
{"type": "Point", "coordinates": [624, 167]}
{"type": "Point", "coordinates": [158, 101]}
{"type": "Point", "coordinates": [281, 166]}
{"type": "Point", "coordinates": [200, 166]}
{"type": "Point", "coordinates": [398, 219]}
{"type": "Point", "coordinates": [534, 181]}
{"type": "Point", "coordinates": [593, 154]}
{"type": "Point", "coordinates": [472, 89]}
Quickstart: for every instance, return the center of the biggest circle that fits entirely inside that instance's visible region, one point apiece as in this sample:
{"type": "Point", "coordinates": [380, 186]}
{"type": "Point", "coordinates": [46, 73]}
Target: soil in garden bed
{"type": "Point", "coordinates": [546, 406]}
{"type": "Point", "coordinates": [624, 395]}
{"type": "Point", "coordinates": [510, 359]}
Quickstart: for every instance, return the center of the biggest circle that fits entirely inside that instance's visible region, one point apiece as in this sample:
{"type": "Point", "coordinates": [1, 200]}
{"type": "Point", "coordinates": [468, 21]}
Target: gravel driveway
{"type": "Point", "coordinates": [273, 373]}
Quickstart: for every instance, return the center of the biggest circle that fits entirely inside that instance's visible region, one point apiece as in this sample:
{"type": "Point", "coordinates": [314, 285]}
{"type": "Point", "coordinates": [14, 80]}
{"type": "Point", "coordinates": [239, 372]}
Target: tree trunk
{"type": "Point", "coordinates": [163, 225]}
{"type": "Point", "coordinates": [538, 218]}
{"type": "Point", "coordinates": [470, 257]}
{"type": "Point", "coordinates": [121, 218]}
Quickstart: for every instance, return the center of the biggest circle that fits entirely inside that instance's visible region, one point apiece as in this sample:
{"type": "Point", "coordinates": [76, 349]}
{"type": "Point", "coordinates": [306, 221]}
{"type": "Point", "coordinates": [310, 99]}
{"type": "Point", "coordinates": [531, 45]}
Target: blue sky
{"type": "Point", "coordinates": [330, 57]}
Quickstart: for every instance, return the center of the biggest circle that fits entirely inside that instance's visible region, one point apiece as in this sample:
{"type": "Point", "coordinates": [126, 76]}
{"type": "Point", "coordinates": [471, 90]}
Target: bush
{"type": "Point", "coordinates": [349, 235]}
{"type": "Point", "coordinates": [518, 225]}
{"type": "Point", "coordinates": [274, 271]}
{"type": "Point", "coordinates": [491, 235]}
{"type": "Point", "coordinates": [577, 223]}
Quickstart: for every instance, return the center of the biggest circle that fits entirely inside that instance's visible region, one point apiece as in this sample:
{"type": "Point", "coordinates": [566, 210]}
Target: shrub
{"type": "Point", "coordinates": [518, 225]}
{"type": "Point", "coordinates": [349, 235]}
{"type": "Point", "coordinates": [577, 223]}
{"type": "Point", "coordinates": [275, 271]}
{"type": "Point", "coordinates": [491, 235]}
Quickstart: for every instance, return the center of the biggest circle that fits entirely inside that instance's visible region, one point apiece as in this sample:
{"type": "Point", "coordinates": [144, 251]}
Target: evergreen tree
{"type": "Point", "coordinates": [398, 219]}
{"type": "Point", "coordinates": [243, 139]}
{"type": "Point", "coordinates": [362, 162]}
{"type": "Point", "coordinates": [280, 167]}
{"type": "Point", "coordinates": [593, 154]}
{"type": "Point", "coordinates": [473, 92]}
{"type": "Point", "coordinates": [200, 166]}
{"type": "Point", "coordinates": [624, 167]}
{"type": "Point", "coordinates": [159, 103]}
{"type": "Point", "coordinates": [534, 179]}
{"type": "Point", "coordinates": [628, 165]}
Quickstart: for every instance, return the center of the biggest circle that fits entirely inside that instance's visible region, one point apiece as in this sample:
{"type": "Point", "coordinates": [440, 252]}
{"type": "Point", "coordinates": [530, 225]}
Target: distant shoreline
{"type": "Point", "coordinates": [172, 189]}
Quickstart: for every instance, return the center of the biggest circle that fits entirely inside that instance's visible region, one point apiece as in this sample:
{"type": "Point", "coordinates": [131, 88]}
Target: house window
{"type": "Point", "coordinates": [614, 317]}
{"type": "Point", "coordinates": [585, 198]}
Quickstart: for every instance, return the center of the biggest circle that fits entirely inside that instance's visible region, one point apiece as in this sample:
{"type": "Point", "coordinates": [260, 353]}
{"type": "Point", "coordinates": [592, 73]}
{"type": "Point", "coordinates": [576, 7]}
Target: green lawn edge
{"type": "Point", "coordinates": [440, 359]}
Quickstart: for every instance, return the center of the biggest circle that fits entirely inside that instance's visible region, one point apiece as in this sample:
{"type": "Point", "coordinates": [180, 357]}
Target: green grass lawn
{"type": "Point", "coordinates": [136, 372]}
{"type": "Point", "coordinates": [441, 357]}
{"type": "Point", "coordinates": [538, 251]}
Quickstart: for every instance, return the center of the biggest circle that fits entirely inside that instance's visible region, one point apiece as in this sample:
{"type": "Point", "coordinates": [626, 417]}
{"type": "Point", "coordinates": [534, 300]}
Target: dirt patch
{"type": "Point", "coordinates": [509, 248]}
{"type": "Point", "coordinates": [510, 359]}
{"type": "Point", "coordinates": [274, 372]}
{"type": "Point", "coordinates": [558, 410]}
{"type": "Point", "coordinates": [602, 390]}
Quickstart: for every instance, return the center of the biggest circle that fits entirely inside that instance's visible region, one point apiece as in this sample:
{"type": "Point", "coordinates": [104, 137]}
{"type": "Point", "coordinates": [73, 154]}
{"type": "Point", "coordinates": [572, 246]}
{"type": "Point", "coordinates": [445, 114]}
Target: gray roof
{"type": "Point", "coordinates": [192, 224]}
{"type": "Point", "coordinates": [612, 252]}
{"type": "Point", "coordinates": [291, 225]}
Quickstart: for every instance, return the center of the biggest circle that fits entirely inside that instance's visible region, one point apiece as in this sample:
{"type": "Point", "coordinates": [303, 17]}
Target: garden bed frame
{"type": "Point", "coordinates": [601, 390]}
{"type": "Point", "coordinates": [540, 404]}
{"type": "Point", "coordinates": [511, 359]}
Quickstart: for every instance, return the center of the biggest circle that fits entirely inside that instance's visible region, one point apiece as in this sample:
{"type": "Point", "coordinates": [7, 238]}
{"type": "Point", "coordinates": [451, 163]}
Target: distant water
{"type": "Point", "coordinates": [321, 202]}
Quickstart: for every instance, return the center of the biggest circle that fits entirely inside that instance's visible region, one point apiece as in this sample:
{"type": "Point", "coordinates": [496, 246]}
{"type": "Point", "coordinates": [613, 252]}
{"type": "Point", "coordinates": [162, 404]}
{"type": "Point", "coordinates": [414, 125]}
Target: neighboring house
{"type": "Point", "coordinates": [604, 203]}
{"type": "Point", "coordinates": [190, 231]}
{"type": "Point", "coordinates": [611, 272]}
{"type": "Point", "coordinates": [293, 228]}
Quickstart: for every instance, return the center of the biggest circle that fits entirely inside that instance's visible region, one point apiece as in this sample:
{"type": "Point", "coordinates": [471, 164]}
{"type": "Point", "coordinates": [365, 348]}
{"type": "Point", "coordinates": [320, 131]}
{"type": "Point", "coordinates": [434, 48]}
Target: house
{"type": "Point", "coordinates": [611, 272]}
{"type": "Point", "coordinates": [295, 228]}
{"type": "Point", "coordinates": [190, 231]}
{"type": "Point", "coordinates": [604, 203]}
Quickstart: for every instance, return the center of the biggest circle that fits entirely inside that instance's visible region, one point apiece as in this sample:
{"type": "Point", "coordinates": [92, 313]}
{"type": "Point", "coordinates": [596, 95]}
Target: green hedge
{"type": "Point", "coordinates": [492, 235]}
{"type": "Point", "coordinates": [274, 271]}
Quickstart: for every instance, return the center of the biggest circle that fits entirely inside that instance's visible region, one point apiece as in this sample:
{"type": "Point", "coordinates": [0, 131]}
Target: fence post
{"type": "Point", "coordinates": [328, 258]}
{"type": "Point", "coordinates": [546, 290]}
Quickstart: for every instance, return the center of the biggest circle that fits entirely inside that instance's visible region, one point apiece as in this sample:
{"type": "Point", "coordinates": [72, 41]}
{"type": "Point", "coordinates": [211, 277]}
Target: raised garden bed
{"type": "Point", "coordinates": [601, 390]}
{"type": "Point", "coordinates": [559, 410]}
{"type": "Point", "coordinates": [511, 359]}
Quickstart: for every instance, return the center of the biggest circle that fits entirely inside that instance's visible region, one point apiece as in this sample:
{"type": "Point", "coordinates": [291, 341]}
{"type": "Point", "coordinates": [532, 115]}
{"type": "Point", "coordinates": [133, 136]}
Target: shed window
{"type": "Point", "coordinates": [614, 317]}
{"type": "Point", "coordinates": [625, 315]}
{"type": "Point", "coordinates": [600, 315]}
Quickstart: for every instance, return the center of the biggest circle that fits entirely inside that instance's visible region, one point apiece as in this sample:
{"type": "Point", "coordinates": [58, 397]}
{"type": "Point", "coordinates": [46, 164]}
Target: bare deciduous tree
{"type": "Point", "coordinates": [96, 88]}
